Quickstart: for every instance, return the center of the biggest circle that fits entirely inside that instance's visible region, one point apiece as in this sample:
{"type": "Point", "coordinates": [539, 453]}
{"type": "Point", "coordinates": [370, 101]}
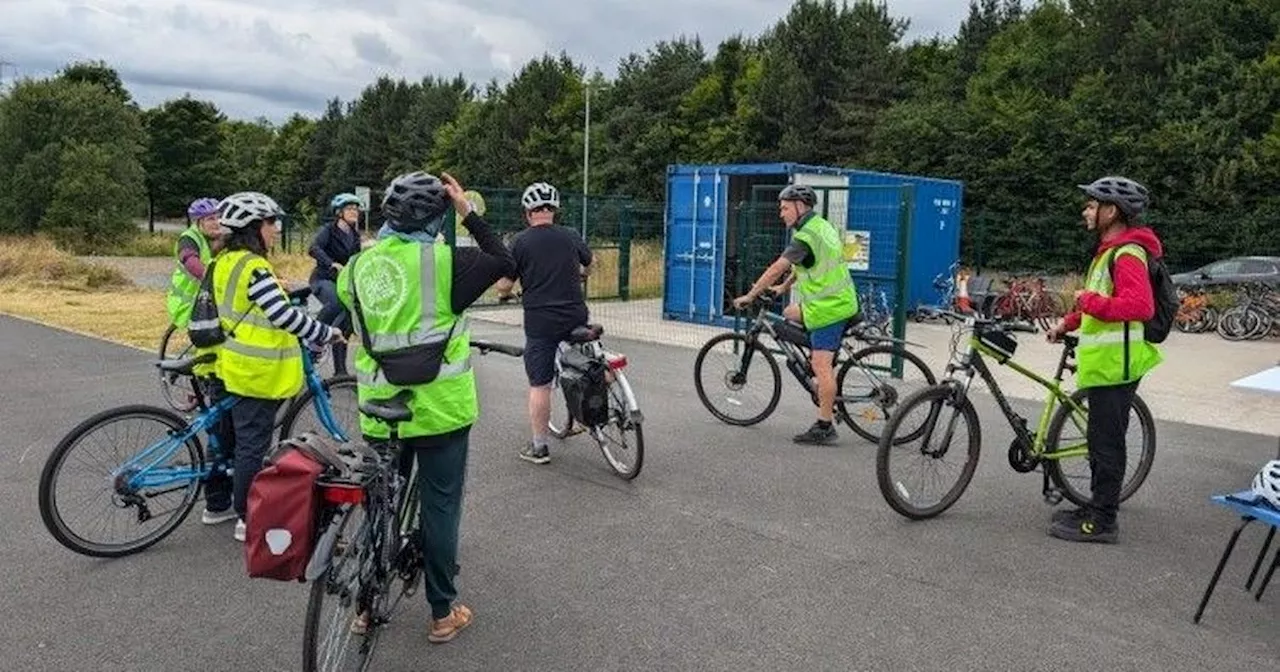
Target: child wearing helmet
{"type": "Point", "coordinates": [332, 248]}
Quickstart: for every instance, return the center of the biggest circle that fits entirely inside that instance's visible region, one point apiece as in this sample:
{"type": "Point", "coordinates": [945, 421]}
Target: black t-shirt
{"type": "Point", "coordinates": [548, 261]}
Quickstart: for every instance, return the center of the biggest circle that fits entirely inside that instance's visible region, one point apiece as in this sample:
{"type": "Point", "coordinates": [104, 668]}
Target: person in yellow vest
{"type": "Point", "coordinates": [1112, 356]}
{"type": "Point", "coordinates": [260, 361]}
{"type": "Point", "coordinates": [827, 300]}
{"type": "Point", "coordinates": [407, 295]}
{"type": "Point", "coordinates": [195, 248]}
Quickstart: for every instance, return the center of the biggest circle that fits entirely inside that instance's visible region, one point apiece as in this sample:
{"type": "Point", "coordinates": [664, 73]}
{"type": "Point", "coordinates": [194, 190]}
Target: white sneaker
{"type": "Point", "coordinates": [240, 530]}
{"type": "Point", "coordinates": [215, 517]}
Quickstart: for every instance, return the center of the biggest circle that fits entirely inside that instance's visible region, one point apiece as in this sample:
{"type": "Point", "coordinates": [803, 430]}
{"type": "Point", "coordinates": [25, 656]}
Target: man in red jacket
{"type": "Point", "coordinates": [1113, 355]}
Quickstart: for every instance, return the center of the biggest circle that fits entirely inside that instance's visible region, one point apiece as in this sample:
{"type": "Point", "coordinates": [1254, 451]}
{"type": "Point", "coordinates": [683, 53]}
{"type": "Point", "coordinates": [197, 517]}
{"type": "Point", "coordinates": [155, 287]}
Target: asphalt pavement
{"type": "Point", "coordinates": [734, 550]}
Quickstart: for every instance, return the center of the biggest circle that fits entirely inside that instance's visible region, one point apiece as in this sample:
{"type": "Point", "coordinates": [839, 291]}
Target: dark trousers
{"type": "Point", "coordinates": [220, 456]}
{"type": "Point", "coordinates": [253, 421]}
{"type": "Point", "coordinates": [1108, 423]}
{"type": "Point", "coordinates": [442, 471]}
{"type": "Point", "coordinates": [334, 314]}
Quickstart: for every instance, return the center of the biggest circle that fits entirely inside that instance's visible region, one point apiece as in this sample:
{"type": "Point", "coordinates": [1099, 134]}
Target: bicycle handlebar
{"type": "Point", "coordinates": [485, 347]}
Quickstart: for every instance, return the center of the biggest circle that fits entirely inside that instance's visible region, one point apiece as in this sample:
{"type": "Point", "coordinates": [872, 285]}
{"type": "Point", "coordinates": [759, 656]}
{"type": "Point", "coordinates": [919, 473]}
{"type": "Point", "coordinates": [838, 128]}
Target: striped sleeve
{"type": "Point", "coordinates": [265, 291]}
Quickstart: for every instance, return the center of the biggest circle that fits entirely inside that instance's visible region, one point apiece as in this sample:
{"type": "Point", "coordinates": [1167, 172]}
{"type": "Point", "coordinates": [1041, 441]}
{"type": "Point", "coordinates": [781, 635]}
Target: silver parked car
{"type": "Point", "coordinates": [1232, 271]}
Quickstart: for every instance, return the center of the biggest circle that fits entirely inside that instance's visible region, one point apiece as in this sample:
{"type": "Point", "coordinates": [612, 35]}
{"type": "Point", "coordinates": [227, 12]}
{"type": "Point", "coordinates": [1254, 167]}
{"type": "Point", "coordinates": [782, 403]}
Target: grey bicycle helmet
{"type": "Point", "coordinates": [414, 202]}
{"type": "Point", "coordinates": [241, 209]}
{"type": "Point", "coordinates": [799, 192]}
{"type": "Point", "coordinates": [1126, 194]}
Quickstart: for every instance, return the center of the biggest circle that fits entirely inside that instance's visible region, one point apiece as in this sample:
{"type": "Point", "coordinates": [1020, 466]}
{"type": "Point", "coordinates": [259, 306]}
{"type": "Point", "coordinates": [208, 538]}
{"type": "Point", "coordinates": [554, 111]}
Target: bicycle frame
{"type": "Point", "coordinates": [973, 359]}
{"type": "Point", "coordinates": [143, 467]}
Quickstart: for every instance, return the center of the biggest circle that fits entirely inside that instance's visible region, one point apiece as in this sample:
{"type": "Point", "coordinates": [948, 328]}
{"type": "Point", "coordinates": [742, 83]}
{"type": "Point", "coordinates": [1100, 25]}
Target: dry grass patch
{"type": "Point", "coordinates": [133, 316]}
{"type": "Point", "coordinates": [36, 261]}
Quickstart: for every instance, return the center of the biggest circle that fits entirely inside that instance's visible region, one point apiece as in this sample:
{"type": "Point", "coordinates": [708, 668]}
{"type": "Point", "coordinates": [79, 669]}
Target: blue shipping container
{"type": "Point", "coordinates": [701, 250]}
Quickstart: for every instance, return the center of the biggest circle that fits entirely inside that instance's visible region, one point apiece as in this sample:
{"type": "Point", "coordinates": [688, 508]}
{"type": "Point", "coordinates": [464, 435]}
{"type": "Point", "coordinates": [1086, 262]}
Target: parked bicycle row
{"type": "Point", "coordinates": [1249, 311]}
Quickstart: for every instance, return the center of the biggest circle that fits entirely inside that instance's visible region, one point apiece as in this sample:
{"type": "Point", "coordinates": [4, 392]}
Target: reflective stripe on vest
{"type": "Point", "coordinates": [395, 319]}
{"type": "Point", "coordinates": [255, 361]}
{"type": "Point", "coordinates": [183, 287]}
{"type": "Point", "coordinates": [825, 291]}
{"type": "Point", "coordinates": [1112, 353]}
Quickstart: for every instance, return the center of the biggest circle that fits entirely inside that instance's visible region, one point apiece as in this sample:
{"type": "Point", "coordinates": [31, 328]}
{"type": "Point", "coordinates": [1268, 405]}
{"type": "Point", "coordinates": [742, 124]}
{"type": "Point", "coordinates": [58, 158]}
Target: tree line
{"type": "Point", "coordinates": [1022, 104]}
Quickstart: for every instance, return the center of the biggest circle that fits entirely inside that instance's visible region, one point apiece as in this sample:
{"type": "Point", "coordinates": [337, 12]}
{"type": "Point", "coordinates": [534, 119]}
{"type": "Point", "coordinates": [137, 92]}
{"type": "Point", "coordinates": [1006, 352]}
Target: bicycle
{"type": "Point", "coordinates": [150, 473]}
{"type": "Point", "coordinates": [1045, 449]}
{"type": "Point", "coordinates": [792, 342]}
{"type": "Point", "coordinates": [357, 562]}
{"type": "Point", "coordinates": [586, 356]}
{"type": "Point", "coordinates": [945, 283]}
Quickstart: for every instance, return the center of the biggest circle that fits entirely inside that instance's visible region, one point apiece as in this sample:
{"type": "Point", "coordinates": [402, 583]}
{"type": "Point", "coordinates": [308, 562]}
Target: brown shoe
{"type": "Point", "coordinates": [445, 629]}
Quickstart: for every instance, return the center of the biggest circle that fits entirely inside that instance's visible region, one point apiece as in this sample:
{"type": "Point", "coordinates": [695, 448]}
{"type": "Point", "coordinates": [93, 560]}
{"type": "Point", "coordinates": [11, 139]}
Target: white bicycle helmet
{"type": "Point", "coordinates": [246, 207]}
{"type": "Point", "coordinates": [539, 194]}
{"type": "Point", "coordinates": [1267, 483]}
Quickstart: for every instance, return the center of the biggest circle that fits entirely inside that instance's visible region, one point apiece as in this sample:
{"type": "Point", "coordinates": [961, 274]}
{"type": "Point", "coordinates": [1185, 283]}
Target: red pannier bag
{"type": "Point", "coordinates": [284, 508]}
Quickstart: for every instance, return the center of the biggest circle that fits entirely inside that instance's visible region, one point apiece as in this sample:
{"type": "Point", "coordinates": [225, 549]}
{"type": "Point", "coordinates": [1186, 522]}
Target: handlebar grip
{"type": "Point", "coordinates": [487, 346]}
{"type": "Point", "coordinates": [1024, 328]}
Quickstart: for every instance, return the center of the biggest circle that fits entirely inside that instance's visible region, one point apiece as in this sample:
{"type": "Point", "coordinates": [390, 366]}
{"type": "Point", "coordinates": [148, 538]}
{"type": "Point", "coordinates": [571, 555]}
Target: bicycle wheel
{"type": "Point", "coordinates": [138, 506]}
{"type": "Point", "coordinates": [625, 457]}
{"type": "Point", "coordinates": [868, 400]}
{"type": "Point", "coordinates": [178, 391]}
{"type": "Point", "coordinates": [933, 401]}
{"type": "Point", "coordinates": [343, 403]}
{"type": "Point", "coordinates": [561, 423]}
{"type": "Point", "coordinates": [1073, 476]}
{"type": "Point", "coordinates": [737, 361]}
{"type": "Point", "coordinates": [345, 588]}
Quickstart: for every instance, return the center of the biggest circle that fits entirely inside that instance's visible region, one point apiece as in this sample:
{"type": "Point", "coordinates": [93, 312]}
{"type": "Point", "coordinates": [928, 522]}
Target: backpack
{"type": "Point", "coordinates": [204, 328]}
{"type": "Point", "coordinates": [1156, 329]}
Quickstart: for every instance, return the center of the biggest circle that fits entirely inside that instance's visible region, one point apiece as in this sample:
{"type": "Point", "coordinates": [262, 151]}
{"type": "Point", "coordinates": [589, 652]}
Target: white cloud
{"type": "Point", "coordinates": [273, 57]}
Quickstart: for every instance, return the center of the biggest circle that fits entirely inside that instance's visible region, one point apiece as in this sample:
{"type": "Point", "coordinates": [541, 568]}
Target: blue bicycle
{"type": "Point", "coordinates": [157, 487]}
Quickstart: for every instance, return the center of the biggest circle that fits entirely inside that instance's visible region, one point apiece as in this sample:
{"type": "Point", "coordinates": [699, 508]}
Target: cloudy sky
{"type": "Point", "coordinates": [274, 57]}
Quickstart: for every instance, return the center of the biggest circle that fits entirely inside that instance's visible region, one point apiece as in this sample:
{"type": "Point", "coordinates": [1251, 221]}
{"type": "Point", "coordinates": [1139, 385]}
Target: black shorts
{"type": "Point", "coordinates": [540, 359]}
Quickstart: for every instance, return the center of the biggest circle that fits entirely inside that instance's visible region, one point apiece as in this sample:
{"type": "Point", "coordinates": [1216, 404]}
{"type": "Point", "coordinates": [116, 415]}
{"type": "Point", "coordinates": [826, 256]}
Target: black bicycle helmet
{"type": "Point", "coordinates": [799, 192]}
{"type": "Point", "coordinates": [414, 202]}
{"type": "Point", "coordinates": [1126, 194]}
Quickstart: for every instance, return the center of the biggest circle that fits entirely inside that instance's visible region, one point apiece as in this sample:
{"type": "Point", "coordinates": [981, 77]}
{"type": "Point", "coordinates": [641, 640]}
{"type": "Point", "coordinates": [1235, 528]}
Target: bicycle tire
{"type": "Point", "coordinates": [560, 427]}
{"type": "Point", "coordinates": [889, 489]}
{"type": "Point", "coordinates": [851, 362]}
{"type": "Point", "coordinates": [702, 393]}
{"type": "Point", "coordinates": [635, 424]}
{"type": "Point", "coordinates": [47, 497]}
{"type": "Point", "coordinates": [1054, 434]}
{"type": "Point", "coordinates": [320, 589]}
{"type": "Point", "coordinates": [305, 399]}
{"type": "Point", "coordinates": [168, 388]}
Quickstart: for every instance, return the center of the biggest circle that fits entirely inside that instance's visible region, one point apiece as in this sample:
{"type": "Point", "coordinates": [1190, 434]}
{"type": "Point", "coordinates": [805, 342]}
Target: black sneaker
{"type": "Point", "coordinates": [817, 435]}
{"type": "Point", "coordinates": [1069, 516]}
{"type": "Point", "coordinates": [1085, 529]}
{"type": "Point", "coordinates": [535, 454]}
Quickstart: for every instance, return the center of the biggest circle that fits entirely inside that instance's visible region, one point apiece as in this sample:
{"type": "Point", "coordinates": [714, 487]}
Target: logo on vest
{"type": "Point", "coordinates": [382, 286]}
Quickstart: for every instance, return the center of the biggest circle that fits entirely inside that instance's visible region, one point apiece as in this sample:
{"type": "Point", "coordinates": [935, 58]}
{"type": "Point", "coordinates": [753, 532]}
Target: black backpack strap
{"type": "Point", "coordinates": [355, 305]}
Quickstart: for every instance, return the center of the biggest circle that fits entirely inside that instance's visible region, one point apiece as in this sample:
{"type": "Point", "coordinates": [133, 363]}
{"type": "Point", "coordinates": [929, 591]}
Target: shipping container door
{"type": "Point", "coordinates": [693, 245]}
{"type": "Point", "coordinates": [935, 244]}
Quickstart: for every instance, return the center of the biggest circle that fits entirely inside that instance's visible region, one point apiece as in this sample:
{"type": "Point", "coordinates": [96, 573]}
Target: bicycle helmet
{"type": "Point", "coordinates": [799, 192]}
{"type": "Point", "coordinates": [241, 209]}
{"type": "Point", "coordinates": [343, 200]}
{"type": "Point", "coordinates": [1267, 483]}
{"type": "Point", "coordinates": [202, 207]}
{"type": "Point", "coordinates": [1124, 193]}
{"type": "Point", "coordinates": [539, 194]}
{"type": "Point", "coordinates": [415, 202]}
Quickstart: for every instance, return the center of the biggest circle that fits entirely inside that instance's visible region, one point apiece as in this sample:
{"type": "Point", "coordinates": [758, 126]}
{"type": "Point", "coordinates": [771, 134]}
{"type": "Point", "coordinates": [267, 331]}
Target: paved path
{"type": "Point", "coordinates": [734, 550]}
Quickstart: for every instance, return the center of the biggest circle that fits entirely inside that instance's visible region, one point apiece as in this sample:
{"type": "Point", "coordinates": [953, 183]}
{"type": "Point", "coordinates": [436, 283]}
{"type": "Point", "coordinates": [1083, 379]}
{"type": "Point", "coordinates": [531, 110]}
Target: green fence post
{"type": "Point", "coordinates": [624, 252]}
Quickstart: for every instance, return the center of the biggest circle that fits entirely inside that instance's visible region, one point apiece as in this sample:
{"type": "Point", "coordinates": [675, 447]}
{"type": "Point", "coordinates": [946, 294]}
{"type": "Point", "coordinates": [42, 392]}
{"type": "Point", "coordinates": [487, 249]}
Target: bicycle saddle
{"type": "Point", "coordinates": [390, 411]}
{"type": "Point", "coordinates": [586, 333]}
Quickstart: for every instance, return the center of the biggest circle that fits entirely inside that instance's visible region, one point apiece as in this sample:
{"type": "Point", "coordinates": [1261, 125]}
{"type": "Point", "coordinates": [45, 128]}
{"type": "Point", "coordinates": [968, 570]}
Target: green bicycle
{"type": "Point", "coordinates": [1046, 449]}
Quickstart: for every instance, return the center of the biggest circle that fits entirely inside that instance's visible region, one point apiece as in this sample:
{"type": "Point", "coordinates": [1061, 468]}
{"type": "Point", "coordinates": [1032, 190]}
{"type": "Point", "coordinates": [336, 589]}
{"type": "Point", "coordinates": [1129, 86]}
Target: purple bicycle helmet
{"type": "Point", "coordinates": [202, 207]}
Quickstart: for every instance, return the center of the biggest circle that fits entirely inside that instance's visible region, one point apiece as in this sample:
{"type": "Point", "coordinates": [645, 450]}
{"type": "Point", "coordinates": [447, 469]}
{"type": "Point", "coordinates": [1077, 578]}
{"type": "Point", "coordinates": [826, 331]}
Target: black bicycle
{"type": "Point", "coordinates": [370, 538]}
{"type": "Point", "coordinates": [865, 391]}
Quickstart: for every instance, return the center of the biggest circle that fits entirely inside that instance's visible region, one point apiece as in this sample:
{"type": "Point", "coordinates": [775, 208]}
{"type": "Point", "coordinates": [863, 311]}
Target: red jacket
{"type": "Point", "coordinates": [1131, 298]}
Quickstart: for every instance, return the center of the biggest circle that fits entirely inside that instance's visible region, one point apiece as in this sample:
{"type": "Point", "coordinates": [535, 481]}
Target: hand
{"type": "Point", "coordinates": [335, 336]}
{"type": "Point", "coordinates": [1055, 334]}
{"type": "Point", "coordinates": [336, 266]}
{"type": "Point", "coordinates": [743, 301]}
{"type": "Point", "coordinates": [460, 202]}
